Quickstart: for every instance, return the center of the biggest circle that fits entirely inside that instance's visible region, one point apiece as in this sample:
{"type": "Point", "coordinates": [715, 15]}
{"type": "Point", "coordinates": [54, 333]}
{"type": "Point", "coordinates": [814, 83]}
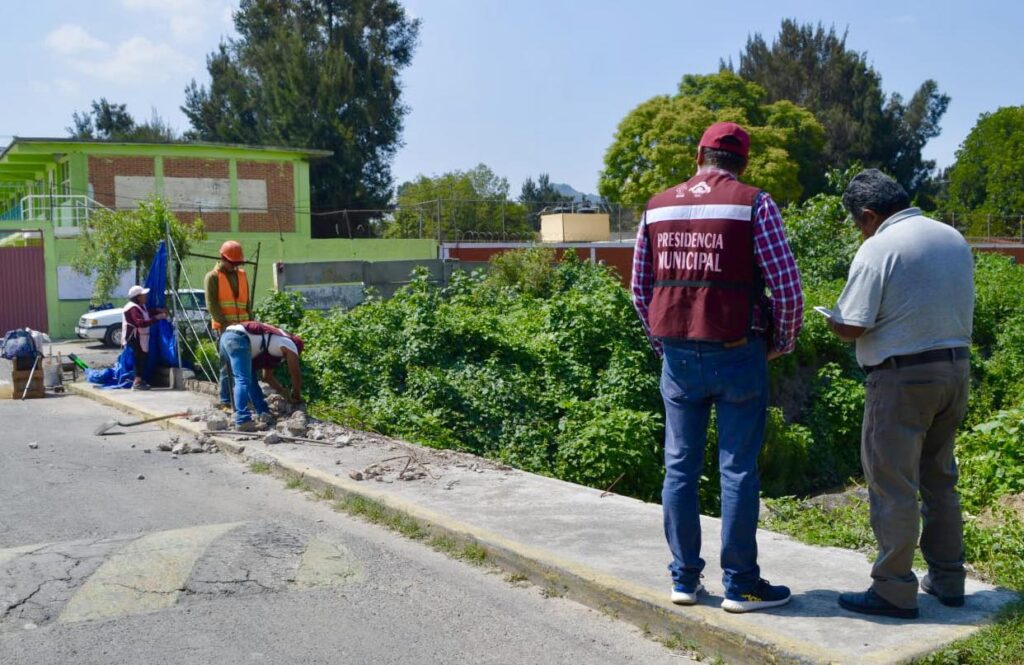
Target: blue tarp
{"type": "Point", "coordinates": [163, 351]}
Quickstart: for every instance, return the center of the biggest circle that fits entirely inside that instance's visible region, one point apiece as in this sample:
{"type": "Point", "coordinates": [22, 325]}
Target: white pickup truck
{"type": "Point", "coordinates": [105, 324]}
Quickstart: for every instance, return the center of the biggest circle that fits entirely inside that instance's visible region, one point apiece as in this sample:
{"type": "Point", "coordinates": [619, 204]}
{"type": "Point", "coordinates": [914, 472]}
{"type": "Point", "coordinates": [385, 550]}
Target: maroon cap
{"type": "Point", "coordinates": [726, 136]}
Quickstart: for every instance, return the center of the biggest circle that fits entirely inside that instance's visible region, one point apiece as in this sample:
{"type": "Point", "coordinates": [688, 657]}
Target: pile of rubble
{"type": "Point", "coordinates": [198, 444]}
{"type": "Point", "coordinates": [292, 425]}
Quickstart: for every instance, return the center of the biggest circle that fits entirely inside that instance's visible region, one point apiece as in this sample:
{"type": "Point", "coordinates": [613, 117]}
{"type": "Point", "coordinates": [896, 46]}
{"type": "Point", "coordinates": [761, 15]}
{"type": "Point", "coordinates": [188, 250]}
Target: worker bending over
{"type": "Point", "coordinates": [254, 345]}
{"type": "Point", "coordinates": [270, 346]}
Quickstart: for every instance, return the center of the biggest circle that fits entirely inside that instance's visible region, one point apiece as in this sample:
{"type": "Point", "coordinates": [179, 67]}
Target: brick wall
{"type": "Point", "coordinates": [279, 177]}
{"type": "Point", "coordinates": [103, 169]}
{"type": "Point", "coordinates": [280, 213]}
{"type": "Point", "coordinates": [186, 167]}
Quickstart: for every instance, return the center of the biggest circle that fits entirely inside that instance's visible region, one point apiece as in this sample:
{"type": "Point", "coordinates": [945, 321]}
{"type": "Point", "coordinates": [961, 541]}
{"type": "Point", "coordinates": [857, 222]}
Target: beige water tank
{"type": "Point", "coordinates": [575, 227]}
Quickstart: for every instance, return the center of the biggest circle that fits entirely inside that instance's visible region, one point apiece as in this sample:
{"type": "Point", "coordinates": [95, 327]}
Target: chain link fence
{"type": "Point", "coordinates": [461, 220]}
{"type": "Point", "coordinates": [980, 226]}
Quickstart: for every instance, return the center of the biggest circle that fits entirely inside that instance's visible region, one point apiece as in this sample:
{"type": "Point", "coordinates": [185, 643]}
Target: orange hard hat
{"type": "Point", "coordinates": [232, 251]}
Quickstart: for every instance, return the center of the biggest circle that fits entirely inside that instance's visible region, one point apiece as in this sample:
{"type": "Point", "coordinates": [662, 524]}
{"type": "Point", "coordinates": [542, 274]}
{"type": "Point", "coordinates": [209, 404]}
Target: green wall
{"type": "Point", "coordinates": [295, 246]}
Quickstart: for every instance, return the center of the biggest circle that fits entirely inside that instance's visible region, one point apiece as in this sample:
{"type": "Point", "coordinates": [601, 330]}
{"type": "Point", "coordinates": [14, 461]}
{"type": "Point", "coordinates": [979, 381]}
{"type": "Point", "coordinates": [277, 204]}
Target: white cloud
{"type": "Point", "coordinates": [70, 40]}
{"type": "Point", "coordinates": [137, 60]}
{"type": "Point", "coordinates": [59, 86]}
{"type": "Point", "coordinates": [187, 19]}
{"type": "Point", "coordinates": [67, 87]}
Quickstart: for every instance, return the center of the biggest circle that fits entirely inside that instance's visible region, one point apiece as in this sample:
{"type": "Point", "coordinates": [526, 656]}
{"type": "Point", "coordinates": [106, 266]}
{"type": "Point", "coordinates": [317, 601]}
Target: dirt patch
{"type": "Point", "coordinates": [1014, 503]}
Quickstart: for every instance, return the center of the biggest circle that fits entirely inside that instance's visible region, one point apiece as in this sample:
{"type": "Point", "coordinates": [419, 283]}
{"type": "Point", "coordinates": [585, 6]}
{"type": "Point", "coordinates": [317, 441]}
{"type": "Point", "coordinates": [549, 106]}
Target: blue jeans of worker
{"type": "Point", "coordinates": [225, 381]}
{"type": "Point", "coordinates": [236, 350]}
{"type": "Point", "coordinates": [696, 376]}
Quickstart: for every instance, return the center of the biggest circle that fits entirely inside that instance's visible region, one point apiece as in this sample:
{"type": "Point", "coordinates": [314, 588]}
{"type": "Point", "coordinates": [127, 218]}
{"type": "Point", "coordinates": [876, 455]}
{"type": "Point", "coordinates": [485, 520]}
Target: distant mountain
{"type": "Point", "coordinates": [575, 195]}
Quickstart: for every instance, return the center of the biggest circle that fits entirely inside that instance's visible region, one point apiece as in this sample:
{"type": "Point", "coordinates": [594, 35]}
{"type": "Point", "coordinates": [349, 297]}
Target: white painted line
{"type": "Point", "coordinates": [145, 575]}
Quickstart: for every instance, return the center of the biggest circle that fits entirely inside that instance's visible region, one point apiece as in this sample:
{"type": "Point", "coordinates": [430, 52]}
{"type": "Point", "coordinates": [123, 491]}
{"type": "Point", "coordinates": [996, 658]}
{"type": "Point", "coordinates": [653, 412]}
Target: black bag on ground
{"type": "Point", "coordinates": [18, 344]}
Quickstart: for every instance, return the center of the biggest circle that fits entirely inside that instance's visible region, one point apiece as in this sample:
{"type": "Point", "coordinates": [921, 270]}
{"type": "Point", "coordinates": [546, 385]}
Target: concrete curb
{"type": "Point", "coordinates": [706, 628]}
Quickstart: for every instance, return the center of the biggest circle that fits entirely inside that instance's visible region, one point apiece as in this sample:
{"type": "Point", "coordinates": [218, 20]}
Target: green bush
{"type": "Point", "coordinates": [544, 366]}
{"type": "Point", "coordinates": [206, 360]}
{"type": "Point", "coordinates": [531, 271]}
{"type": "Point", "coordinates": [284, 309]}
{"type": "Point", "coordinates": [998, 285]}
{"type": "Point", "coordinates": [834, 418]}
{"type": "Point", "coordinates": [991, 460]}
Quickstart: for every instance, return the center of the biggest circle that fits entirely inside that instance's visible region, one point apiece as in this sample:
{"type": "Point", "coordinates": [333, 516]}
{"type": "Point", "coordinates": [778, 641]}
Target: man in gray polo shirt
{"type": "Point", "coordinates": [909, 304]}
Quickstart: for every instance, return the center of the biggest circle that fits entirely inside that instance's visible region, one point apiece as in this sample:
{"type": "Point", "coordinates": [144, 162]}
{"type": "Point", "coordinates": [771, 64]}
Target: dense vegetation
{"type": "Point", "coordinates": [544, 366]}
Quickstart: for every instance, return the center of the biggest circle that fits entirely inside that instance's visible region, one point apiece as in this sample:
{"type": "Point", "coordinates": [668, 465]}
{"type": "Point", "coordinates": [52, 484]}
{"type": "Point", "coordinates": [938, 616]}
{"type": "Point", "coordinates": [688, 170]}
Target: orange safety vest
{"type": "Point", "coordinates": [234, 307]}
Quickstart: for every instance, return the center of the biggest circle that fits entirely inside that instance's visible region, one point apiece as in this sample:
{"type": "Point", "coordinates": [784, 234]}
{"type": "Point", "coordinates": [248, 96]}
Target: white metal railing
{"type": "Point", "coordinates": [67, 213]}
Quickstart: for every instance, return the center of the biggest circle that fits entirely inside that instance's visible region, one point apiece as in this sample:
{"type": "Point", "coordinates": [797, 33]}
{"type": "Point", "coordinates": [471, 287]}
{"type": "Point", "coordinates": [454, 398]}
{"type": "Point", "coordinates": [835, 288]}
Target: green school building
{"type": "Point", "coordinates": [258, 195]}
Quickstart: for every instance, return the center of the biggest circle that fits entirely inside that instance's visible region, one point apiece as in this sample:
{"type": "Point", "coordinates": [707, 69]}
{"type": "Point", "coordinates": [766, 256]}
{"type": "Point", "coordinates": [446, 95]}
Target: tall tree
{"type": "Point", "coordinates": [107, 121]}
{"type": "Point", "coordinates": [988, 175]}
{"type": "Point", "coordinates": [813, 67]}
{"type": "Point", "coordinates": [535, 196]}
{"type": "Point", "coordinates": [314, 74]}
{"type": "Point", "coordinates": [115, 241]}
{"type": "Point", "coordinates": [466, 203]}
{"type": "Point", "coordinates": [656, 143]}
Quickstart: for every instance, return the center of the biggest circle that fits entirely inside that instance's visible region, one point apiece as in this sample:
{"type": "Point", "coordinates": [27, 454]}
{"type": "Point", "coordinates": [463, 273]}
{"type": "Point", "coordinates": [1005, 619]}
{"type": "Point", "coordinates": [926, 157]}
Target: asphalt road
{"type": "Point", "coordinates": [203, 561]}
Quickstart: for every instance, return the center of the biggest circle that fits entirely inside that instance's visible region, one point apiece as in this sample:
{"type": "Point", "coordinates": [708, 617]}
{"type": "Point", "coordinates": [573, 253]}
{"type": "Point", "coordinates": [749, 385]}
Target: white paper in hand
{"type": "Point", "coordinates": [824, 311]}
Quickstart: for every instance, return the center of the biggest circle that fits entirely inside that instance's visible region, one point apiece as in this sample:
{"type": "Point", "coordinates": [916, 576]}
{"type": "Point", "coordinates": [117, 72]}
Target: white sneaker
{"type": "Point", "coordinates": [680, 596]}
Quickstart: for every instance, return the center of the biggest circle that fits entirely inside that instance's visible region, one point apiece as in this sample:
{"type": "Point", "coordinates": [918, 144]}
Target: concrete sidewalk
{"type": "Point", "coordinates": [609, 552]}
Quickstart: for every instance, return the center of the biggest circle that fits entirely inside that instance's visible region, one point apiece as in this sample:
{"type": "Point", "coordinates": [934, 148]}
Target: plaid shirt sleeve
{"type": "Point", "coordinates": [776, 261]}
{"type": "Point", "coordinates": [643, 281]}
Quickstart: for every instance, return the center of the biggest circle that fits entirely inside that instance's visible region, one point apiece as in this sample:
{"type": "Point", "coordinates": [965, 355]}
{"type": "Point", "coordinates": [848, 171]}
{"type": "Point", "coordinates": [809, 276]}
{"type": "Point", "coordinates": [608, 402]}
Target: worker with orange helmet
{"type": "Point", "coordinates": [227, 299]}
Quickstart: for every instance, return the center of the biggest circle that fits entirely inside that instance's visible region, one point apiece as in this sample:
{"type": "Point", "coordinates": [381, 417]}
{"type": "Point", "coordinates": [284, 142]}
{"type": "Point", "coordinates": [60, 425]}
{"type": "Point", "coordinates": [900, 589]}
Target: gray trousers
{"type": "Point", "coordinates": [911, 415]}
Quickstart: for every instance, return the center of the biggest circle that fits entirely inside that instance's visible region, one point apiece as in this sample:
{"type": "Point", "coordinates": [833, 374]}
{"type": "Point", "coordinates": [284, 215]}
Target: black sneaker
{"type": "Point", "coordinates": [870, 602]}
{"type": "Point", "coordinates": [761, 597]}
{"type": "Point", "coordinates": [948, 601]}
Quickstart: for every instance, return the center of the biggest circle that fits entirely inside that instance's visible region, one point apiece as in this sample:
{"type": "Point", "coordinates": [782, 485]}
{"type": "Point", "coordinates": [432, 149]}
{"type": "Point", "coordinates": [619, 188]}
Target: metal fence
{"type": "Point", "coordinates": [462, 220]}
{"type": "Point", "coordinates": [986, 226]}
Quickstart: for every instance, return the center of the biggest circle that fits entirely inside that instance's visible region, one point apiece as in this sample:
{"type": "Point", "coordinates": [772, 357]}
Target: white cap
{"type": "Point", "coordinates": [136, 291]}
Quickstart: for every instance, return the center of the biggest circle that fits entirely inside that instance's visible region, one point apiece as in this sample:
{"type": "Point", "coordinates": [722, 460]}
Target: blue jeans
{"type": "Point", "coordinates": [236, 351]}
{"type": "Point", "coordinates": [695, 376]}
{"type": "Point", "coordinates": [224, 381]}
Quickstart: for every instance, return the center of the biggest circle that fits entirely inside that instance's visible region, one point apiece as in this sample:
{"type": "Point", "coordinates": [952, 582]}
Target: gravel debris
{"type": "Point", "coordinates": [217, 422]}
{"type": "Point", "coordinates": [295, 425]}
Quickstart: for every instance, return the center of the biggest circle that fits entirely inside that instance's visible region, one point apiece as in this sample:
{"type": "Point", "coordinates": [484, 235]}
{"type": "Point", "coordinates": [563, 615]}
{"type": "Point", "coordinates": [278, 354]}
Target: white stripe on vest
{"type": "Point", "coordinates": [711, 211]}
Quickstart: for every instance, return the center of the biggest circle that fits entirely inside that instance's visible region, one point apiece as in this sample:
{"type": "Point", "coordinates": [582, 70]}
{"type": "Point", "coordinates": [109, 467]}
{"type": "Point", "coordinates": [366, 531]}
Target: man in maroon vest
{"type": "Point", "coordinates": [706, 252]}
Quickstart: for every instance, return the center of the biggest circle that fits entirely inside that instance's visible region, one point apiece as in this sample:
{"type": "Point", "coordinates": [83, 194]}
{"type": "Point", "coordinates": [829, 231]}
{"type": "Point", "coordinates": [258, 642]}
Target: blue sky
{"type": "Point", "coordinates": [523, 86]}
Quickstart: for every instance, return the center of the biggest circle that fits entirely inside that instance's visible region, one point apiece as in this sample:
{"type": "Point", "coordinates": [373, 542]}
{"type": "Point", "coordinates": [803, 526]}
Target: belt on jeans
{"type": "Point", "coordinates": [933, 356]}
